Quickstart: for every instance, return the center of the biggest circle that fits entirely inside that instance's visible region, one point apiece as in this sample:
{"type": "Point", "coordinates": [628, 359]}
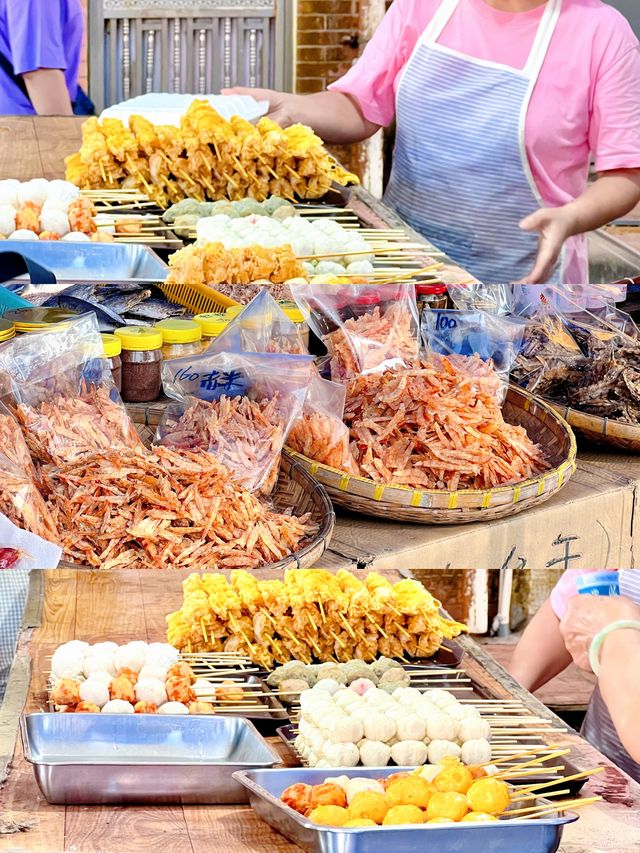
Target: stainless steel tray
{"type": "Point", "coordinates": [141, 758]}
{"type": "Point", "coordinates": [266, 786]}
{"type": "Point", "coordinates": [91, 261]}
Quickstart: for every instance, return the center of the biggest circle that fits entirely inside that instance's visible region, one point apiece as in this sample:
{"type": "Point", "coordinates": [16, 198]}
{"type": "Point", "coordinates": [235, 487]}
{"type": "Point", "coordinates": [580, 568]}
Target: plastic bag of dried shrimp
{"type": "Point", "coordinates": [367, 328]}
{"type": "Point", "coordinates": [262, 326]}
{"type": "Point", "coordinates": [237, 406]}
{"type": "Point", "coordinates": [527, 300]}
{"type": "Point", "coordinates": [60, 387]}
{"type": "Point", "coordinates": [320, 432]}
{"type": "Point", "coordinates": [494, 338]}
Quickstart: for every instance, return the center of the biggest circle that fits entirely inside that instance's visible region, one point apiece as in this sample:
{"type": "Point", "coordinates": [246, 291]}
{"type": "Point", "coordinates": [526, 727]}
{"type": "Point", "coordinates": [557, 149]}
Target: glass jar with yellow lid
{"type": "Point", "coordinates": [27, 320]}
{"type": "Point", "coordinates": [180, 338]}
{"type": "Point", "coordinates": [212, 325]}
{"type": "Point", "coordinates": [141, 360]}
{"type": "Point", "coordinates": [289, 309]}
{"type": "Point", "coordinates": [112, 347]}
{"type": "Point", "coordinates": [7, 331]}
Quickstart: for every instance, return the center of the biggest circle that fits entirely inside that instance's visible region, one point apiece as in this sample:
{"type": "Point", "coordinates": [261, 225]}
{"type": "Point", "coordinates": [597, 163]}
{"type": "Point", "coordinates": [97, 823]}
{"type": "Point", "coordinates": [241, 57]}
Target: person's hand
{"type": "Point", "coordinates": [586, 616]}
{"type": "Point", "coordinates": [554, 225]}
{"type": "Point", "coordinates": [281, 104]}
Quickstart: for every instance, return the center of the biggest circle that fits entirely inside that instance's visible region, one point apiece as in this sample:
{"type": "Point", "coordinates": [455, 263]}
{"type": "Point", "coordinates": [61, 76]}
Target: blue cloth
{"type": "Point", "coordinates": [39, 34]}
{"type": "Point", "coordinates": [14, 586]}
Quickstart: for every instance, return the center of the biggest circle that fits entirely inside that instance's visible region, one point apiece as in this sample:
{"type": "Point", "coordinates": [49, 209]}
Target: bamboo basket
{"type": "Point", "coordinates": [295, 488]}
{"type": "Point", "coordinates": [606, 431]}
{"type": "Point", "coordinates": [544, 426]}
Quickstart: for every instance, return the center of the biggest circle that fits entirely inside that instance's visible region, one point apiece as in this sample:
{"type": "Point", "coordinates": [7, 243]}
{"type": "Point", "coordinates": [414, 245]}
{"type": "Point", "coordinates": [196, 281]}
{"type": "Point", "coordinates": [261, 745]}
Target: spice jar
{"type": "Point", "coordinates": [141, 359]}
{"type": "Point", "coordinates": [180, 338]}
{"type": "Point", "coordinates": [364, 303]}
{"type": "Point", "coordinates": [433, 296]}
{"type": "Point", "coordinates": [7, 331]}
{"type": "Point", "coordinates": [212, 325]}
{"type": "Point", "coordinates": [112, 347]}
{"type": "Point", "coordinates": [291, 310]}
{"type": "Point", "coordinates": [27, 320]}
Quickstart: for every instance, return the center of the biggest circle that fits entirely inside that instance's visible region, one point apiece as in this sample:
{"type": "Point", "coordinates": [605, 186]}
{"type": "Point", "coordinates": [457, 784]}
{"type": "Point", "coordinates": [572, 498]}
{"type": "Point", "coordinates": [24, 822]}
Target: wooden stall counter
{"type": "Point", "coordinates": [121, 606]}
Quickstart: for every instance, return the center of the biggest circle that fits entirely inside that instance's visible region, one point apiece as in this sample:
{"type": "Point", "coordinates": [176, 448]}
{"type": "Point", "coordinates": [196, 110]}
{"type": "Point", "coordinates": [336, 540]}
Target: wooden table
{"type": "Point", "coordinates": [121, 606]}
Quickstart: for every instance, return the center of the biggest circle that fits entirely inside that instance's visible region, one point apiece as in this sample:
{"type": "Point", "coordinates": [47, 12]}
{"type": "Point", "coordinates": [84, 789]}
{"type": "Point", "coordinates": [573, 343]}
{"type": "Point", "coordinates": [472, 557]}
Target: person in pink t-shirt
{"type": "Point", "coordinates": [500, 106]}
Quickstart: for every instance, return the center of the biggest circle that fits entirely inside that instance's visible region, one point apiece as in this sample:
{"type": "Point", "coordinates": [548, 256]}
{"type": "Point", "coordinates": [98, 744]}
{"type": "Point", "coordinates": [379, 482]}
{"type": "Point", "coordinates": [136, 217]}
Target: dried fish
{"type": "Point", "coordinates": [165, 508]}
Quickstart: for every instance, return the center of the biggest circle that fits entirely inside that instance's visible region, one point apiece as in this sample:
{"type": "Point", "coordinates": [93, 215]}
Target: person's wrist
{"type": "Point", "coordinates": [616, 638]}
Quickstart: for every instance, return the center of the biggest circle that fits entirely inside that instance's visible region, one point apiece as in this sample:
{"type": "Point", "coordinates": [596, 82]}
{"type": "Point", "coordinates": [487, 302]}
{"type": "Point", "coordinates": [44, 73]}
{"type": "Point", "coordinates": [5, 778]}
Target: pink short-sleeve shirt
{"type": "Point", "coordinates": [586, 101]}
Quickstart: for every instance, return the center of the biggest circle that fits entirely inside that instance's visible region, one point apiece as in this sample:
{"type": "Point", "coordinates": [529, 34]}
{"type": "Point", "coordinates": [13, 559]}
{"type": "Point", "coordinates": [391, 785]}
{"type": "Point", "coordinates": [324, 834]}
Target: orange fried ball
{"type": "Point", "coordinates": [87, 708]}
{"type": "Point", "coordinates": [328, 794]}
{"type": "Point", "coordinates": [298, 797]}
{"type": "Point", "coordinates": [181, 670]}
{"type": "Point", "coordinates": [179, 690]}
{"type": "Point", "coordinates": [412, 791]}
{"type": "Point", "coordinates": [145, 708]}
{"type": "Point", "coordinates": [128, 673]}
{"type": "Point", "coordinates": [201, 707]}
{"type": "Point", "coordinates": [489, 795]}
{"type": "Point", "coordinates": [394, 776]}
{"type": "Point", "coordinates": [369, 805]}
{"type": "Point", "coordinates": [478, 817]}
{"type": "Point", "coordinates": [66, 692]}
{"type": "Point", "coordinates": [457, 779]}
{"type": "Point", "coordinates": [398, 815]}
{"type": "Point", "coordinates": [230, 692]}
{"type": "Point", "coordinates": [329, 816]}
{"type": "Point", "coordinates": [477, 771]}
{"type": "Point", "coordinates": [450, 805]}
{"type": "Point", "coordinates": [122, 688]}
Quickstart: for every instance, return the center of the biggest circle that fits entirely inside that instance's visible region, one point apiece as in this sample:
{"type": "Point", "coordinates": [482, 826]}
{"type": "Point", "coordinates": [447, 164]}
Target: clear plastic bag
{"type": "Point", "coordinates": [367, 328]}
{"type": "Point", "coordinates": [60, 387]}
{"type": "Point", "coordinates": [237, 406]}
{"type": "Point", "coordinates": [320, 432]}
{"type": "Point", "coordinates": [493, 338]}
{"type": "Point", "coordinates": [494, 298]}
{"type": "Point", "coordinates": [260, 327]}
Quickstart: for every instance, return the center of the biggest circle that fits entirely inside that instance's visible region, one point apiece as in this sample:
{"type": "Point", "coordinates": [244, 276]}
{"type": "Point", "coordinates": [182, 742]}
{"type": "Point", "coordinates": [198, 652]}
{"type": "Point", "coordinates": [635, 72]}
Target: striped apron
{"type": "Point", "coordinates": [461, 175]}
{"type": "Point", "coordinates": [598, 726]}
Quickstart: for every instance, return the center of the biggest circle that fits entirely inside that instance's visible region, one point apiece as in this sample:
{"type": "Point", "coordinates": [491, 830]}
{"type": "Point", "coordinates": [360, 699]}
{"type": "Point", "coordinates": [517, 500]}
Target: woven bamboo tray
{"type": "Point", "coordinates": [544, 425]}
{"type": "Point", "coordinates": [606, 431]}
{"type": "Point", "coordinates": [296, 489]}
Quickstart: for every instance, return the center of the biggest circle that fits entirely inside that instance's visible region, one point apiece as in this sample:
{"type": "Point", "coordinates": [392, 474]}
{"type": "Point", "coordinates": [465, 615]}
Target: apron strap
{"type": "Point", "coordinates": [543, 38]}
{"type": "Point", "coordinates": [436, 25]}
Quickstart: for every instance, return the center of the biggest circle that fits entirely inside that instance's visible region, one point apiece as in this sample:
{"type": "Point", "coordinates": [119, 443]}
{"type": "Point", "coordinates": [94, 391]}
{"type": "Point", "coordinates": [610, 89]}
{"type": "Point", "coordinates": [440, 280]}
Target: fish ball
{"type": "Point", "coordinates": [7, 220]}
{"type": "Point", "coordinates": [95, 691]}
{"type": "Point", "coordinates": [409, 753]}
{"type": "Point", "coordinates": [357, 785]}
{"type": "Point", "coordinates": [102, 676]}
{"type": "Point", "coordinates": [118, 706]}
{"type": "Point", "coordinates": [160, 672]}
{"type": "Point", "coordinates": [476, 751]}
{"type": "Point", "coordinates": [35, 190]}
{"type": "Point", "coordinates": [151, 690]}
{"type": "Point", "coordinates": [442, 727]}
{"type": "Point", "coordinates": [379, 727]}
{"type": "Point", "coordinates": [76, 237]}
{"type": "Point", "coordinates": [347, 730]}
{"type": "Point", "coordinates": [440, 697]}
{"type": "Point", "coordinates": [9, 189]}
{"type": "Point", "coordinates": [327, 685]}
{"type": "Point", "coordinates": [474, 729]}
{"type": "Point", "coordinates": [55, 221]}
{"type": "Point", "coordinates": [99, 662]}
{"type": "Point", "coordinates": [173, 708]}
{"type": "Point", "coordinates": [439, 749]}
{"type": "Point", "coordinates": [411, 727]}
{"type": "Point", "coordinates": [67, 663]}
{"type": "Point", "coordinates": [23, 234]}
{"type": "Point", "coordinates": [131, 656]}
{"type": "Point", "coordinates": [342, 754]}
{"type": "Point", "coordinates": [374, 753]}
{"type": "Point", "coordinates": [361, 686]}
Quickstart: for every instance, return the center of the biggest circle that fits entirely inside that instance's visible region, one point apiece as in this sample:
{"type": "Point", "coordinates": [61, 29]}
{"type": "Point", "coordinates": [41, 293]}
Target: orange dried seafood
{"type": "Point", "coordinates": [67, 427]}
{"type": "Point", "coordinates": [324, 439]}
{"type": "Point", "coordinates": [244, 435]}
{"type": "Point", "coordinates": [165, 508]}
{"type": "Point", "coordinates": [373, 341]}
{"type": "Point", "coordinates": [20, 499]}
{"type": "Point", "coordinates": [438, 427]}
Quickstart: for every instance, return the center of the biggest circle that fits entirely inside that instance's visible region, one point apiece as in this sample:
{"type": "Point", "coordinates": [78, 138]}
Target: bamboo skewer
{"type": "Point", "coordinates": [534, 812]}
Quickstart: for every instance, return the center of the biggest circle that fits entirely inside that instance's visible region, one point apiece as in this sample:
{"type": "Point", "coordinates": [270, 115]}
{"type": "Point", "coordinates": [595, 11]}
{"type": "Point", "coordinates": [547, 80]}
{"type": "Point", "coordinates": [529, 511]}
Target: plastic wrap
{"type": "Point", "coordinates": [60, 387]}
{"type": "Point", "coordinates": [493, 338]}
{"type": "Point", "coordinates": [367, 328]}
{"type": "Point", "coordinates": [237, 406]}
{"type": "Point", "coordinates": [260, 327]}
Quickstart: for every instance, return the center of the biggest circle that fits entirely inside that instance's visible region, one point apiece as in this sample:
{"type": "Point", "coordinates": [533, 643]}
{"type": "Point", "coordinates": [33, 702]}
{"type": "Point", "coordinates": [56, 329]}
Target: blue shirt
{"type": "Point", "coordinates": [39, 34]}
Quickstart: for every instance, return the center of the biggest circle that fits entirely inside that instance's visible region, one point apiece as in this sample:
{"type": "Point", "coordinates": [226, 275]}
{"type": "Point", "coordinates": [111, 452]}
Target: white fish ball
{"type": "Point", "coordinates": [102, 676]}
{"type": "Point", "coordinates": [379, 727]}
{"type": "Point", "coordinates": [151, 690]}
{"type": "Point", "coordinates": [374, 753]}
{"type": "Point", "coordinates": [312, 759]}
{"type": "Point", "coordinates": [439, 749]}
{"type": "Point", "coordinates": [162, 651]}
{"type": "Point", "coordinates": [7, 219]}
{"type": "Point", "coordinates": [55, 221]}
{"type": "Point", "coordinates": [23, 234]}
{"type": "Point", "coordinates": [473, 729]}
{"type": "Point", "coordinates": [94, 690]}
{"type": "Point", "coordinates": [118, 706]}
{"type": "Point", "coordinates": [346, 731]}
{"type": "Point", "coordinates": [67, 664]}
{"type": "Point", "coordinates": [411, 727]}
{"type": "Point", "coordinates": [35, 190]}
{"type": "Point", "coordinates": [441, 727]}
{"type": "Point", "coordinates": [440, 697]}
{"type": "Point", "coordinates": [9, 189]}
{"type": "Point", "coordinates": [99, 662]}
{"type": "Point", "coordinates": [476, 751]}
{"type": "Point", "coordinates": [76, 237]}
{"type": "Point", "coordinates": [343, 697]}
{"type": "Point", "coordinates": [359, 784]}
{"type": "Point", "coordinates": [328, 685]}
{"type": "Point", "coordinates": [160, 673]}
{"type": "Point", "coordinates": [340, 781]}
{"type": "Point", "coordinates": [457, 712]}
{"type": "Point", "coordinates": [407, 695]}
{"type": "Point", "coordinates": [469, 712]}
{"type": "Point", "coordinates": [409, 753]}
{"type": "Point", "coordinates": [342, 755]}
{"type": "Point", "coordinates": [131, 656]}
{"type": "Point", "coordinates": [360, 267]}
{"type": "Point", "coordinates": [173, 708]}
{"type": "Point", "coordinates": [75, 646]}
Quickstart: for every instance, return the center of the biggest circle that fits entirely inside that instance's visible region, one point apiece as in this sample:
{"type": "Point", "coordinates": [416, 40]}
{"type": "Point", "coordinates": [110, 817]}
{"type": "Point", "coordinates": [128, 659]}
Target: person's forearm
{"type": "Point", "coordinates": [611, 196]}
{"type": "Point", "coordinates": [48, 92]}
{"type": "Point", "coordinates": [335, 117]}
{"type": "Point", "coordinates": [541, 653]}
{"type": "Point", "coordinates": [620, 686]}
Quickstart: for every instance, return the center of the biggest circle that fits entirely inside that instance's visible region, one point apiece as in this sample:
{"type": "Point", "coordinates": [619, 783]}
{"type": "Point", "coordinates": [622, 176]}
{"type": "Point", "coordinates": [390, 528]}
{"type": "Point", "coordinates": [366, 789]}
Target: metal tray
{"type": "Point", "coordinates": [265, 787]}
{"type": "Point", "coordinates": [93, 759]}
{"type": "Point", "coordinates": [91, 261]}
